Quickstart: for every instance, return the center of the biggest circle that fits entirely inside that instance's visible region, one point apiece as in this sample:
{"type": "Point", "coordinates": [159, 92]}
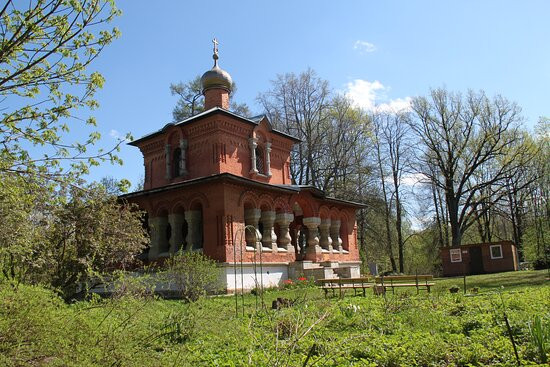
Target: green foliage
{"type": "Point", "coordinates": [194, 274]}
{"type": "Point", "coordinates": [539, 332]}
{"type": "Point", "coordinates": [138, 286]}
{"type": "Point", "coordinates": [45, 51]}
{"type": "Point", "coordinates": [62, 238]}
{"type": "Point", "coordinates": [437, 329]}
{"type": "Point", "coordinates": [89, 234]}
{"type": "Point", "coordinates": [21, 225]}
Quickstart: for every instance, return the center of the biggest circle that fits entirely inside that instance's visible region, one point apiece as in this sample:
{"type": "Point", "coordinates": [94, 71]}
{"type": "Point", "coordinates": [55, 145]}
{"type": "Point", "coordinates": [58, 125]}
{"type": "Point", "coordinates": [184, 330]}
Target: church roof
{"type": "Point", "coordinates": [247, 181]}
{"type": "Point", "coordinates": [252, 120]}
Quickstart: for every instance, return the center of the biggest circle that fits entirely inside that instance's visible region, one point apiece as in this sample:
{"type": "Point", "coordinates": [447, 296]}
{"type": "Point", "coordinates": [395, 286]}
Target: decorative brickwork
{"type": "Point", "coordinates": [209, 176]}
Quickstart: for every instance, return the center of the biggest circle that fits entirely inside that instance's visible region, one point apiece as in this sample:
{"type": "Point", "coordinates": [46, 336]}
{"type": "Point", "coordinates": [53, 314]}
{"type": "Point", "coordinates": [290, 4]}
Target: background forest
{"type": "Point", "coordinates": [451, 168]}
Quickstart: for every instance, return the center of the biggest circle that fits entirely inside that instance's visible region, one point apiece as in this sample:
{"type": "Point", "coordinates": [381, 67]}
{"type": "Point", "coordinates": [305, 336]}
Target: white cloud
{"type": "Point", "coordinates": [364, 46]}
{"type": "Point", "coordinates": [371, 96]}
{"type": "Point", "coordinates": [395, 105]}
{"type": "Point", "coordinates": [364, 93]}
{"type": "Point", "coordinates": [411, 179]}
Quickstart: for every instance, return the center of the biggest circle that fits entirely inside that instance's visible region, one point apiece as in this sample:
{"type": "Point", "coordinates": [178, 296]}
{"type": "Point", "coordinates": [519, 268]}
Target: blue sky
{"type": "Point", "coordinates": [378, 51]}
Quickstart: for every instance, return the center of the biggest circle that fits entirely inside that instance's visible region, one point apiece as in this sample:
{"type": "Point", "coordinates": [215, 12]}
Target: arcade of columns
{"type": "Point", "coordinates": [322, 234]}
{"type": "Point", "coordinates": [162, 243]}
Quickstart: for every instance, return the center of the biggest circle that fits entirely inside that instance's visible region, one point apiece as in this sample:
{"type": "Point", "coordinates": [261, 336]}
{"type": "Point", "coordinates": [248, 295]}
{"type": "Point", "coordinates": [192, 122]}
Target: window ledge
{"type": "Point", "coordinates": [255, 174]}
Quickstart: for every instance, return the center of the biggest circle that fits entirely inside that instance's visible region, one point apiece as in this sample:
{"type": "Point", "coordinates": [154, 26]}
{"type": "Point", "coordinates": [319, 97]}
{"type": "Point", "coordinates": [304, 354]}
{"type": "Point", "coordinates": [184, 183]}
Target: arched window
{"type": "Point", "coordinates": [177, 163]}
{"type": "Point", "coordinates": [260, 163]}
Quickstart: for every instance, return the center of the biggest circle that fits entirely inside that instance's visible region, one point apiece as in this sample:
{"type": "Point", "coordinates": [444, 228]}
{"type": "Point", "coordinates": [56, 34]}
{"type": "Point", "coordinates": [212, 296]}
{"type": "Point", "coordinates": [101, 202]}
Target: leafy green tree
{"type": "Point", "coordinates": [88, 234]}
{"type": "Point", "coordinates": [46, 49]}
{"type": "Point", "coordinates": [22, 218]}
{"type": "Point", "coordinates": [63, 238]}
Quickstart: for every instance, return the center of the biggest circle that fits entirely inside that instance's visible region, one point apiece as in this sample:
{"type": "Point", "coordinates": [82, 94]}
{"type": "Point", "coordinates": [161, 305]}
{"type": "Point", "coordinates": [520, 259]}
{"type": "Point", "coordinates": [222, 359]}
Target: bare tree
{"type": "Point", "coordinates": [391, 133]}
{"type": "Point", "coordinates": [459, 135]}
{"type": "Point", "coordinates": [378, 126]}
{"type": "Point", "coordinates": [333, 131]}
{"type": "Point", "coordinates": [345, 147]}
{"type": "Point", "coordinates": [299, 105]}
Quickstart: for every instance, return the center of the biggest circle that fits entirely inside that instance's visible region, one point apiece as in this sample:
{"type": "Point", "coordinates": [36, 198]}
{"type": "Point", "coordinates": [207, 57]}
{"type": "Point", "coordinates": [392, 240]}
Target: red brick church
{"type": "Point", "coordinates": [210, 175]}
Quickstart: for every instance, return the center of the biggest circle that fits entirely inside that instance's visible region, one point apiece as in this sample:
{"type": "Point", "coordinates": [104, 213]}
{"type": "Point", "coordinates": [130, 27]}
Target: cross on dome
{"type": "Point", "coordinates": [215, 56]}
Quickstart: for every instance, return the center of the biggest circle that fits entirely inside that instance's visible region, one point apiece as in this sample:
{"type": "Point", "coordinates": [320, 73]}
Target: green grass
{"type": "Point", "coordinates": [512, 280]}
{"type": "Point", "coordinates": [402, 329]}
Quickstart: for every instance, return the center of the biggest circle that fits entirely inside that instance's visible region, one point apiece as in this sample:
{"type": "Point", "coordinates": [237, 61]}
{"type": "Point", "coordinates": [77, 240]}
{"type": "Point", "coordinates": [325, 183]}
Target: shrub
{"type": "Point", "coordinates": [194, 275]}
{"type": "Point", "coordinates": [139, 286]}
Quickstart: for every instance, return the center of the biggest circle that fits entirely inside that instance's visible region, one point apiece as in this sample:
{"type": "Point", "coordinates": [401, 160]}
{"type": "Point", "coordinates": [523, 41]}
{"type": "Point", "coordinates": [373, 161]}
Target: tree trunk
{"type": "Point", "coordinates": [386, 210]}
{"type": "Point", "coordinates": [398, 225]}
{"type": "Point", "coordinates": [437, 218]}
{"type": "Point", "coordinates": [452, 210]}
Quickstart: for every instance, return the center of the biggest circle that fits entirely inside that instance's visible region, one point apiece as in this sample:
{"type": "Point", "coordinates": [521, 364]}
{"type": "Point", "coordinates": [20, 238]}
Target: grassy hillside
{"type": "Point", "coordinates": [405, 329]}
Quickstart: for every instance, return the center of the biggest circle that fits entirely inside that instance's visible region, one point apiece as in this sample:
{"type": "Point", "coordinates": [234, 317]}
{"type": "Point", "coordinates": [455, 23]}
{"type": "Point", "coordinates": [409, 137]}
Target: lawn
{"type": "Point", "coordinates": [402, 329]}
{"type": "Point", "coordinates": [512, 280]}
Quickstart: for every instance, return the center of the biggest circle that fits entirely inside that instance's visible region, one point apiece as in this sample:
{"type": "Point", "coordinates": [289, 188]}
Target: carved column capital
{"type": "Point", "coordinates": [177, 241]}
{"type": "Point", "coordinates": [157, 225]}
{"type": "Point", "coordinates": [253, 237]}
{"type": "Point", "coordinates": [194, 233]}
{"type": "Point", "coordinates": [284, 239]}
{"type": "Point", "coordinates": [325, 241]}
{"type": "Point", "coordinates": [335, 235]}
{"type": "Point", "coordinates": [312, 224]}
{"type": "Point", "coordinates": [269, 238]}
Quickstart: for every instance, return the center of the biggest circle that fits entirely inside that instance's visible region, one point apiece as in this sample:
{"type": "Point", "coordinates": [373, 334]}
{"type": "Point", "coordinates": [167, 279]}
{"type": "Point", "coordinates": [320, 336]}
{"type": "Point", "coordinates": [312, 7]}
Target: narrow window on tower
{"type": "Point", "coordinates": [177, 163]}
{"type": "Point", "coordinates": [260, 164]}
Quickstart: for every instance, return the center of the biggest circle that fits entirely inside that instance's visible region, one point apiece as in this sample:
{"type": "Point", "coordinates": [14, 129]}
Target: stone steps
{"type": "Point", "coordinates": [324, 270]}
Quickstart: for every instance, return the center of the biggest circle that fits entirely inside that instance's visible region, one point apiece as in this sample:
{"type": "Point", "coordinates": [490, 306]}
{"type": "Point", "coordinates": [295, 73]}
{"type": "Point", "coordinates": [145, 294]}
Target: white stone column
{"type": "Point", "coordinates": [194, 232]}
{"type": "Point", "coordinates": [183, 157]}
{"type": "Point", "coordinates": [325, 241]}
{"type": "Point", "coordinates": [167, 151]}
{"type": "Point", "coordinates": [284, 239]}
{"type": "Point", "coordinates": [252, 218]}
{"type": "Point", "coordinates": [269, 238]}
{"type": "Point", "coordinates": [335, 235]}
{"type": "Point", "coordinates": [159, 241]}
{"type": "Point", "coordinates": [312, 224]}
{"type": "Point", "coordinates": [268, 159]}
{"type": "Point", "coordinates": [177, 241]}
{"type": "Point", "coordinates": [253, 143]}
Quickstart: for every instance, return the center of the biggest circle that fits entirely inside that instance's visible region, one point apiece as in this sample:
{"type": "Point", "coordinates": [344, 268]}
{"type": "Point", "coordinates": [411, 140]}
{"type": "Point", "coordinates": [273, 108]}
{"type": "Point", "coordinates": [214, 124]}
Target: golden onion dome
{"type": "Point", "coordinates": [216, 77]}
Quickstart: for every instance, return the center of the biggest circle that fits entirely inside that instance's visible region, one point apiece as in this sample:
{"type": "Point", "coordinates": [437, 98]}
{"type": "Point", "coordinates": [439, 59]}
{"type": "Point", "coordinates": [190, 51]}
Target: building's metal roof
{"type": "Point", "coordinates": [253, 120]}
{"type": "Point", "coordinates": [247, 181]}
